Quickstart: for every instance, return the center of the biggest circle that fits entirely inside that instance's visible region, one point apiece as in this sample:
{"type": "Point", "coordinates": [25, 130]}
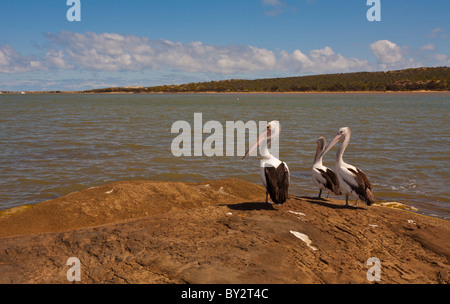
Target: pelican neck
{"type": "Point", "coordinates": [341, 150]}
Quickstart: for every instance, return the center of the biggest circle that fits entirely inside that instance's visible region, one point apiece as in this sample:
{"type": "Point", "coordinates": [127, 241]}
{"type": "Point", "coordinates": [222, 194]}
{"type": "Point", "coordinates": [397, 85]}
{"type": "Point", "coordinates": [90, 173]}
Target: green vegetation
{"type": "Point", "coordinates": [427, 79]}
{"type": "Point", "coordinates": [15, 210]}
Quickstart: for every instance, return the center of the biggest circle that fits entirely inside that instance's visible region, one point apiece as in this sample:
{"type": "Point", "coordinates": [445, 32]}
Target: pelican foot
{"type": "Point", "coordinates": [355, 204]}
{"type": "Point", "coordinates": [347, 204]}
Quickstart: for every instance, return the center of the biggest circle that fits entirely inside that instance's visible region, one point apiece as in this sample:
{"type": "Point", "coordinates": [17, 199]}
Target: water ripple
{"type": "Point", "coordinates": [55, 144]}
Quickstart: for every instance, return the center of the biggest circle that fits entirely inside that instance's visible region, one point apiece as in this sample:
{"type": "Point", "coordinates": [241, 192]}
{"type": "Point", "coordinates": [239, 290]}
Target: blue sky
{"type": "Point", "coordinates": [146, 43]}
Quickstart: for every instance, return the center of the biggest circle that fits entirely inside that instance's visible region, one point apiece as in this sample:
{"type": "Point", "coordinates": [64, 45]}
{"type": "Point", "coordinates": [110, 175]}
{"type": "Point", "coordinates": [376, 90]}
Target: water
{"type": "Point", "coordinates": [51, 145]}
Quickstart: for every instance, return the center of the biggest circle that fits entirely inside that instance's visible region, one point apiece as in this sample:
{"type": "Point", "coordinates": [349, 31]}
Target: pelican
{"type": "Point", "coordinates": [322, 176]}
{"type": "Point", "coordinates": [352, 181]}
{"type": "Point", "coordinates": [275, 174]}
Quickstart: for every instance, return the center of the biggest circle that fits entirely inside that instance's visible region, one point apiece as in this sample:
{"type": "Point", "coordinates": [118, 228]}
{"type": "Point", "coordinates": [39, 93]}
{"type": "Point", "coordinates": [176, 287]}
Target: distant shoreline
{"type": "Point", "coordinates": [213, 92]}
{"type": "Point", "coordinates": [416, 80]}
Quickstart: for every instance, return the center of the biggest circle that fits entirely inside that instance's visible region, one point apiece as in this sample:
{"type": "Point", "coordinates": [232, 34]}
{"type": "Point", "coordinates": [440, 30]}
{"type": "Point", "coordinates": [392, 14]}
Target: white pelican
{"type": "Point", "coordinates": [274, 173]}
{"type": "Point", "coordinates": [352, 181]}
{"type": "Point", "coordinates": [322, 176]}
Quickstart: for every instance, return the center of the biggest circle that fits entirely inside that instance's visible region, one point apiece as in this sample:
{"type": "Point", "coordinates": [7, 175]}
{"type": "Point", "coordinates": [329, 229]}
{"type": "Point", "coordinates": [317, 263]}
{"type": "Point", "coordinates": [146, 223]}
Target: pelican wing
{"type": "Point", "coordinates": [332, 182]}
{"type": "Point", "coordinates": [362, 187]}
{"type": "Point", "coordinates": [277, 182]}
{"type": "Point", "coordinates": [361, 178]}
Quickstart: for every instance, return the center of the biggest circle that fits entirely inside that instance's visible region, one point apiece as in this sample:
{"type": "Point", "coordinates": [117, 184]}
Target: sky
{"type": "Point", "coordinates": [149, 43]}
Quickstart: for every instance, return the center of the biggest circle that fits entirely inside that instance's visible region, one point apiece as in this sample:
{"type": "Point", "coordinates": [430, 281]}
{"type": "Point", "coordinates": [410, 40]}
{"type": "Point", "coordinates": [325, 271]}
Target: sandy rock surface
{"type": "Point", "coordinates": [217, 232]}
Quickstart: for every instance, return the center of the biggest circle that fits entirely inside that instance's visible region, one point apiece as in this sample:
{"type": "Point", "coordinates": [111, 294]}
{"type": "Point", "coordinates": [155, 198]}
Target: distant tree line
{"type": "Point", "coordinates": [427, 79]}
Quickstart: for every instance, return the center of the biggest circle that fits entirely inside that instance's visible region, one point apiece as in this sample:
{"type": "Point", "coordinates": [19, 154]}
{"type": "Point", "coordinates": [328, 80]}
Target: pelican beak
{"type": "Point", "coordinates": [317, 153]}
{"type": "Point", "coordinates": [264, 136]}
{"type": "Point", "coordinates": [335, 140]}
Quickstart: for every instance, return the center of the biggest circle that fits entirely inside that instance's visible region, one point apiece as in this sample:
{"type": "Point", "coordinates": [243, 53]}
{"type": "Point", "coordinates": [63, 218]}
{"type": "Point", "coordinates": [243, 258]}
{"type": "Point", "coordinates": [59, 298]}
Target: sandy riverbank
{"type": "Point", "coordinates": [216, 232]}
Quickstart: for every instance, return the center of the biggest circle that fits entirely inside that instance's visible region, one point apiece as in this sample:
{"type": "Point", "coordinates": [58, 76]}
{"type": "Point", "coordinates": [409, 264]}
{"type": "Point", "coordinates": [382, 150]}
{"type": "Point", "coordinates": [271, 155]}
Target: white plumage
{"type": "Point", "coordinates": [275, 175]}
{"type": "Point", "coordinates": [352, 181]}
{"type": "Point", "coordinates": [323, 177]}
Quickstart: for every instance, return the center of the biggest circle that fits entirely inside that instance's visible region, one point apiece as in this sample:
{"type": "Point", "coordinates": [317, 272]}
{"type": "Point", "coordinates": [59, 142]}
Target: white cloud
{"type": "Point", "coordinates": [272, 2]}
{"type": "Point", "coordinates": [124, 59]}
{"type": "Point", "coordinates": [441, 59]}
{"type": "Point", "coordinates": [438, 32]}
{"type": "Point", "coordinates": [391, 56]}
{"type": "Point", "coordinates": [386, 51]}
{"type": "Point", "coordinates": [113, 52]}
{"type": "Point", "coordinates": [428, 47]}
{"type": "Point", "coordinates": [321, 61]}
{"type": "Point", "coordinates": [55, 59]}
{"type": "Point", "coordinates": [273, 7]}
{"type": "Point", "coordinates": [13, 62]}
{"type": "Point", "coordinates": [105, 52]}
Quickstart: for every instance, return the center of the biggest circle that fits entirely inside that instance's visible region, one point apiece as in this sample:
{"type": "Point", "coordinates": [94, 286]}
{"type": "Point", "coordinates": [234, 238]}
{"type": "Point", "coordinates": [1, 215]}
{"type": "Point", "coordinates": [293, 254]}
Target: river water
{"type": "Point", "coordinates": [51, 145]}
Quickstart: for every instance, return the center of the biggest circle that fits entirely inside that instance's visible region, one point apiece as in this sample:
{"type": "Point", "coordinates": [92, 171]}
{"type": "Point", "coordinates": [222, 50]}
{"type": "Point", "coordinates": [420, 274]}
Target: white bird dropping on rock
{"type": "Point", "coordinates": [304, 238]}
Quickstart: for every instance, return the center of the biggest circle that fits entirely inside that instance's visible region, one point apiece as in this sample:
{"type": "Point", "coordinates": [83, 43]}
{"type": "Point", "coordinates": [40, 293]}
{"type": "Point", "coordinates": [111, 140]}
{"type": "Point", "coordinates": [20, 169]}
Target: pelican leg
{"type": "Point", "coordinates": [328, 194]}
{"type": "Point", "coordinates": [346, 200]}
{"type": "Point", "coordinates": [355, 203]}
{"type": "Point", "coordinates": [267, 199]}
{"type": "Point", "coordinates": [320, 193]}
